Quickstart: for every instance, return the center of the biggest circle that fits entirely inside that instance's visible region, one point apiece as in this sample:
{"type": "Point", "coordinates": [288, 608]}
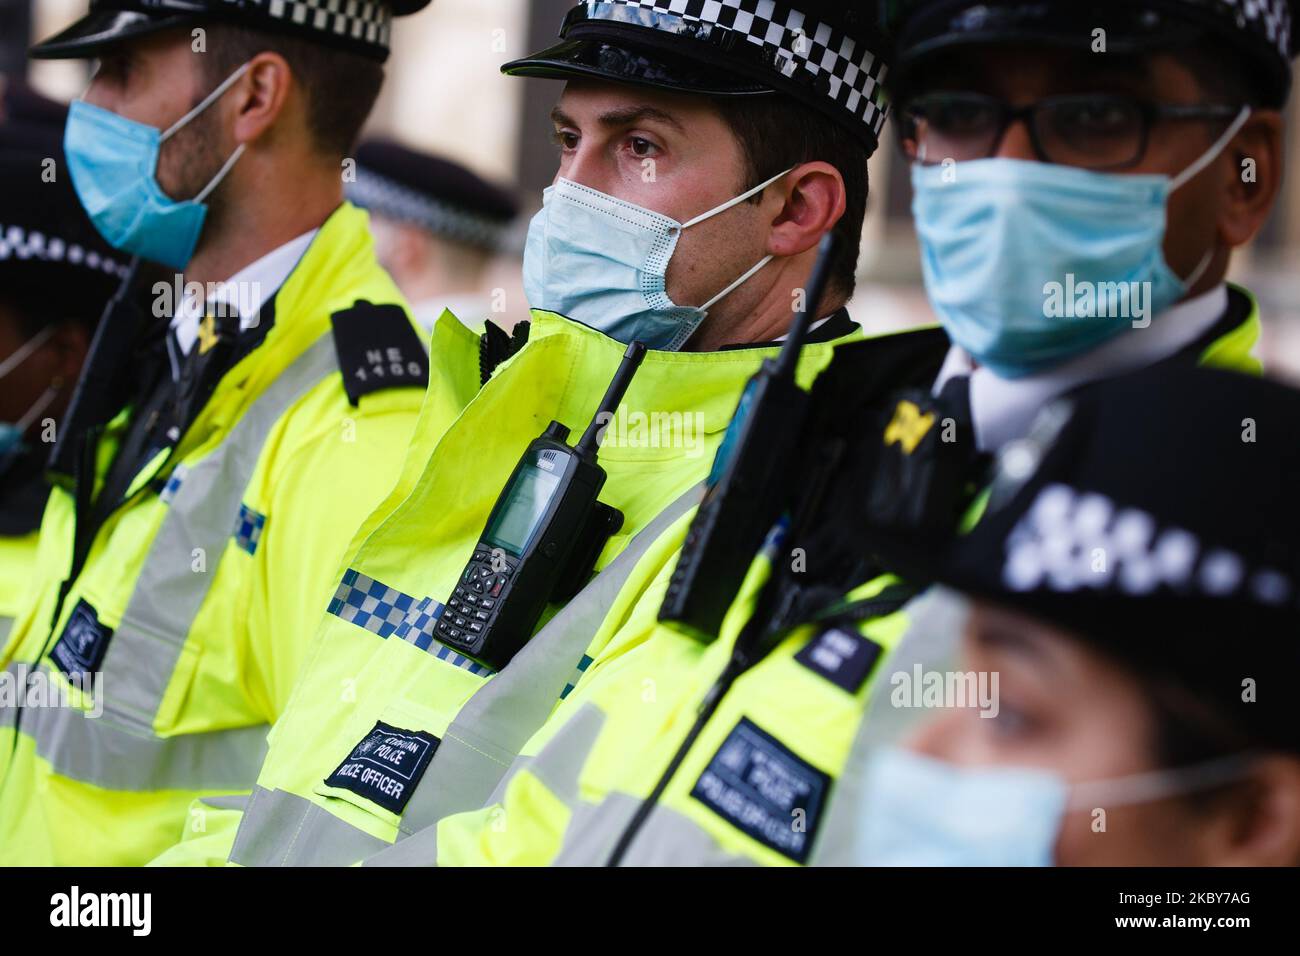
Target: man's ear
{"type": "Point", "coordinates": [260, 96]}
{"type": "Point", "coordinates": [813, 200]}
{"type": "Point", "coordinates": [1267, 824]}
{"type": "Point", "coordinates": [71, 342]}
{"type": "Point", "coordinates": [1254, 179]}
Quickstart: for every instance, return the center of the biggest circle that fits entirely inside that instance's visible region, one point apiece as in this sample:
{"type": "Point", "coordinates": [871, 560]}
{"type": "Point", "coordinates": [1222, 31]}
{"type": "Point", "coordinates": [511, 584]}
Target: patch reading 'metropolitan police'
{"type": "Point", "coordinates": [759, 786]}
{"type": "Point", "coordinates": [386, 765]}
{"type": "Point", "coordinates": [80, 648]}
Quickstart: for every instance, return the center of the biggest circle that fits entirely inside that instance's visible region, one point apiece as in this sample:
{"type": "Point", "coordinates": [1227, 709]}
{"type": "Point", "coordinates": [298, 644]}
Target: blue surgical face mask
{"type": "Point", "coordinates": [602, 261]}
{"type": "Point", "coordinates": [918, 811]}
{"type": "Point", "coordinates": [113, 162]}
{"type": "Point", "coordinates": [11, 433]}
{"type": "Point", "coordinates": [1013, 252]}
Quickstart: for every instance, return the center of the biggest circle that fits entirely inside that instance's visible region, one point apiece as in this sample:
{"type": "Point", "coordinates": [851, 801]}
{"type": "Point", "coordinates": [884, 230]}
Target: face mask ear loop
{"type": "Point", "coordinates": [734, 202]}
{"type": "Point", "coordinates": [735, 285]}
{"type": "Point", "coordinates": [207, 101]}
{"type": "Point", "coordinates": [1157, 785]}
{"type": "Point", "coordinates": [25, 350]}
{"type": "Point", "coordinates": [34, 412]}
{"type": "Point", "coordinates": [1211, 154]}
{"type": "Point", "coordinates": [1199, 271]}
{"type": "Point", "coordinates": [221, 173]}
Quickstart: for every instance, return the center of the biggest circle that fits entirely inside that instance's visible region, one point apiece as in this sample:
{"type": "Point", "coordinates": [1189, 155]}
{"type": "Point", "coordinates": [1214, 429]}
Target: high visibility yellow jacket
{"type": "Point", "coordinates": [17, 555]}
{"type": "Point", "coordinates": [186, 613]}
{"type": "Point", "coordinates": [758, 784]}
{"type": "Point", "coordinates": [23, 494]}
{"type": "Point", "coordinates": [376, 676]}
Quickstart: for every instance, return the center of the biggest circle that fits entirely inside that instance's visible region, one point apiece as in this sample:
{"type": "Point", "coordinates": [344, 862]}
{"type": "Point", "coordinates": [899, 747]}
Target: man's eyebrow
{"type": "Point", "coordinates": [619, 118]}
{"type": "Point", "coordinates": [1112, 69]}
{"type": "Point", "coordinates": [632, 115]}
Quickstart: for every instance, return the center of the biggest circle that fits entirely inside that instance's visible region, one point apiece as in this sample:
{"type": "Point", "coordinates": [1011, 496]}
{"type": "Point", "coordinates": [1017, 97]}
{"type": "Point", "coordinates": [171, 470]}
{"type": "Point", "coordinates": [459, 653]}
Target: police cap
{"type": "Point", "coordinates": [1155, 516]}
{"type": "Point", "coordinates": [358, 26]}
{"type": "Point", "coordinates": [53, 263]}
{"type": "Point", "coordinates": [1258, 32]}
{"type": "Point", "coordinates": [433, 193]}
{"type": "Point", "coordinates": [826, 54]}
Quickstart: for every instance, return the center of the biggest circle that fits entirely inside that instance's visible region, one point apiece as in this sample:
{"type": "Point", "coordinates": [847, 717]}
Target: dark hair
{"type": "Point", "coordinates": [1221, 74]}
{"type": "Point", "coordinates": [1188, 730]}
{"type": "Point", "coordinates": [43, 295]}
{"type": "Point", "coordinates": [341, 87]}
{"type": "Point", "coordinates": [776, 132]}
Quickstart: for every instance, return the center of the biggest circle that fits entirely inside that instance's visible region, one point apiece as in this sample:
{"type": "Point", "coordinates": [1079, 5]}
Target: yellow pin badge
{"type": "Point", "coordinates": [908, 427]}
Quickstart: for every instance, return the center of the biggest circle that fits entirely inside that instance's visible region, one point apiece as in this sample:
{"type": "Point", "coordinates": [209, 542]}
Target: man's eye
{"type": "Point", "coordinates": [1011, 722]}
{"type": "Point", "coordinates": [564, 139]}
{"type": "Point", "coordinates": [961, 117]}
{"type": "Point", "coordinates": [1097, 117]}
{"type": "Point", "coordinates": [642, 148]}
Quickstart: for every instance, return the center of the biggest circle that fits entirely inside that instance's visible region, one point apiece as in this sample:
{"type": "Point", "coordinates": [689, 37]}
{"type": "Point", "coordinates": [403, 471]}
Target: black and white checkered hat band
{"type": "Point", "coordinates": [19, 244]}
{"type": "Point", "coordinates": [1270, 19]}
{"type": "Point", "coordinates": [361, 20]}
{"type": "Point", "coordinates": [801, 48]}
{"type": "Point", "coordinates": [390, 198]}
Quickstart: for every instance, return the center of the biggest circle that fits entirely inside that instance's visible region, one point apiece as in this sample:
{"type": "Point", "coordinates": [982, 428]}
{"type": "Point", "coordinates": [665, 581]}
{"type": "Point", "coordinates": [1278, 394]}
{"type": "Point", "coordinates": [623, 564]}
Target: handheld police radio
{"type": "Point", "coordinates": [541, 541]}
{"type": "Point", "coordinates": [749, 483]}
{"type": "Point", "coordinates": [94, 398]}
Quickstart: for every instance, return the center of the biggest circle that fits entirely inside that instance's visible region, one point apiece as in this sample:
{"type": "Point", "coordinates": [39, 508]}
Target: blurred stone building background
{"type": "Point", "coordinates": [445, 94]}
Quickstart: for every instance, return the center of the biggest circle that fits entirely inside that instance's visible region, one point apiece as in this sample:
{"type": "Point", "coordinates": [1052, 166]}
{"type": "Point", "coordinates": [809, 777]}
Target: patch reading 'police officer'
{"type": "Point", "coordinates": [80, 648]}
{"type": "Point", "coordinates": [378, 348]}
{"type": "Point", "coordinates": [842, 657]}
{"type": "Point", "coordinates": [386, 765]}
{"type": "Point", "coordinates": [764, 790]}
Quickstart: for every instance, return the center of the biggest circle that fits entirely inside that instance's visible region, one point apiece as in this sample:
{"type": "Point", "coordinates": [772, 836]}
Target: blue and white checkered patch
{"type": "Point", "coordinates": [388, 612]}
{"type": "Point", "coordinates": [173, 485]}
{"type": "Point", "coordinates": [248, 529]}
{"type": "Point", "coordinates": [577, 676]}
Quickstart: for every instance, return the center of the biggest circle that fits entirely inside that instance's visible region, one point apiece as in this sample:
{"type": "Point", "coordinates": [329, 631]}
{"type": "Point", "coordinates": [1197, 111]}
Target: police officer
{"type": "Point", "coordinates": [1149, 692]}
{"type": "Point", "coordinates": [703, 156]}
{"type": "Point", "coordinates": [56, 275]}
{"type": "Point", "coordinates": [437, 226]}
{"type": "Point", "coordinates": [1045, 172]}
{"type": "Point", "coordinates": [244, 411]}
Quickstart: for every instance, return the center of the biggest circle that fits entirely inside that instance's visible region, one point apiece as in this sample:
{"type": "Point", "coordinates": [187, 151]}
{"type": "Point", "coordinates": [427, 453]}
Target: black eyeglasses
{"type": "Point", "coordinates": [1092, 131]}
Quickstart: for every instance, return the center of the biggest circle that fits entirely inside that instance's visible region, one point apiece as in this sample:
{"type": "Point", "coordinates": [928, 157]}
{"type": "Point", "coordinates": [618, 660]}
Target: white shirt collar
{"type": "Point", "coordinates": [247, 290]}
{"type": "Point", "coordinates": [1003, 409]}
{"type": "Point", "coordinates": [472, 310]}
{"type": "Point", "coordinates": [812, 327]}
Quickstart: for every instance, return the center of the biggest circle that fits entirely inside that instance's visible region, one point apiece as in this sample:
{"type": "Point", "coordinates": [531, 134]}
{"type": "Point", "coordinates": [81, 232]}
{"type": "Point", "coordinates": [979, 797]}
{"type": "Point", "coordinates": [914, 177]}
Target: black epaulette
{"type": "Point", "coordinates": [495, 346]}
{"type": "Point", "coordinates": [378, 348]}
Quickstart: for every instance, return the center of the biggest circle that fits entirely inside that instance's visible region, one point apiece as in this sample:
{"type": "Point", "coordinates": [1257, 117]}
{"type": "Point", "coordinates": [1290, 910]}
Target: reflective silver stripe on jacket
{"type": "Point", "coordinates": [558, 767]}
{"type": "Point", "coordinates": [488, 733]}
{"type": "Point", "coordinates": [120, 750]}
{"type": "Point", "coordinates": [283, 829]}
{"type": "Point", "coordinates": [667, 838]}
{"type": "Point", "coordinates": [168, 594]}
{"type": "Point", "coordinates": [6, 625]}
{"type": "Point", "coordinates": [97, 751]}
{"type": "Point", "coordinates": [496, 722]}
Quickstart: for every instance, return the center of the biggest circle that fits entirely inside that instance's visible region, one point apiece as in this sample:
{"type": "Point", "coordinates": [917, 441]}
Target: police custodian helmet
{"type": "Point", "coordinates": [357, 26]}
{"type": "Point", "coordinates": [1199, 577]}
{"type": "Point", "coordinates": [1259, 33]}
{"type": "Point", "coordinates": [827, 54]}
